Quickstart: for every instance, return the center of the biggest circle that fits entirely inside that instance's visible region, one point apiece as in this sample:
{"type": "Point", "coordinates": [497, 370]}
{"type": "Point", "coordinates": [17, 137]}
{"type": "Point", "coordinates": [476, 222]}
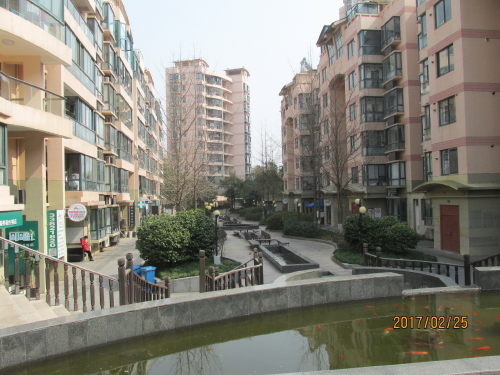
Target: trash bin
{"type": "Point", "coordinates": [137, 270]}
{"type": "Point", "coordinates": [148, 274]}
{"type": "Point", "coordinates": [75, 254]}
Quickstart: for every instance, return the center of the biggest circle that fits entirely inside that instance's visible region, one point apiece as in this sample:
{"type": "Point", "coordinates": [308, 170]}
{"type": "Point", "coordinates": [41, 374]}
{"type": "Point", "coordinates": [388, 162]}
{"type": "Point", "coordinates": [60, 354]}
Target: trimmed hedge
{"type": "Point", "coordinates": [276, 221]}
{"type": "Point", "coordinates": [294, 227]}
{"type": "Point", "coordinates": [385, 232]}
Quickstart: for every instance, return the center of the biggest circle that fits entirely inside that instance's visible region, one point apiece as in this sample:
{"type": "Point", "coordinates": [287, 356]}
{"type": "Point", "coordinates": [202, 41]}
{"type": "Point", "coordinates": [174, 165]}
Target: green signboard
{"type": "Point", "coordinates": [10, 219]}
{"type": "Point", "coordinates": [26, 235]}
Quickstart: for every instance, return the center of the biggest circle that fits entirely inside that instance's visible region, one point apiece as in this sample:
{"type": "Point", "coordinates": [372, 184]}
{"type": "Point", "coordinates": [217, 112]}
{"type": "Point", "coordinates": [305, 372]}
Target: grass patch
{"type": "Point", "coordinates": [354, 257]}
{"type": "Point", "coordinates": [189, 269]}
{"type": "Point", "coordinates": [330, 236]}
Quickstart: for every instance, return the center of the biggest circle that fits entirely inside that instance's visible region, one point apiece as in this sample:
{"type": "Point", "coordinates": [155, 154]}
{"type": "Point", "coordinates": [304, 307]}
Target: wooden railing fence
{"type": "Point", "coordinates": [134, 289]}
{"type": "Point", "coordinates": [241, 276]}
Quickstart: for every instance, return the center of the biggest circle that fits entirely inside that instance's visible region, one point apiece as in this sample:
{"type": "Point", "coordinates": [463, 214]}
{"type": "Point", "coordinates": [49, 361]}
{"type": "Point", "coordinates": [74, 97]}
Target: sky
{"type": "Point", "coordinates": [267, 37]}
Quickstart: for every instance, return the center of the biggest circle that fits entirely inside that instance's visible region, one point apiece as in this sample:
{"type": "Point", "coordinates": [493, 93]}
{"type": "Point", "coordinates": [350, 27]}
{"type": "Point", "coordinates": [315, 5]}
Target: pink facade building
{"type": "Point", "coordinates": [208, 114]}
{"type": "Point", "coordinates": [417, 87]}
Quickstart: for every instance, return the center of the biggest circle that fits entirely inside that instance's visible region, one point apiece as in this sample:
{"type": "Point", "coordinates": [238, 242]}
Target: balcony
{"type": "Point", "coordinates": [393, 103]}
{"type": "Point", "coordinates": [392, 67]}
{"type": "Point", "coordinates": [367, 8]}
{"type": "Point", "coordinates": [391, 32]}
{"type": "Point", "coordinates": [424, 84]}
{"type": "Point", "coordinates": [80, 21]}
{"type": "Point", "coordinates": [82, 132]}
{"type": "Point", "coordinates": [395, 137]}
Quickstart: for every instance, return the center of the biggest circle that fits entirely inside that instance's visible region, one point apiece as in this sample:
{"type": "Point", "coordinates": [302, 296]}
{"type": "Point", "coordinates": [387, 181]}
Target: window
{"type": "Point", "coordinates": [331, 52]}
{"type": "Point", "coordinates": [326, 127]}
{"type": "Point", "coordinates": [427, 211]}
{"type": "Point", "coordinates": [354, 140]}
{"type": "Point", "coordinates": [295, 103]}
{"type": "Point", "coordinates": [305, 143]}
{"type": "Point", "coordinates": [392, 66]}
{"type": "Point", "coordinates": [352, 80]}
{"type": "Point", "coordinates": [297, 183]}
{"type": "Point", "coordinates": [372, 109]}
{"type": "Point", "coordinates": [373, 143]}
{"type": "Point", "coordinates": [350, 49]}
{"type": "Point", "coordinates": [323, 75]}
{"type": "Point", "coordinates": [449, 162]}
{"type": "Point", "coordinates": [445, 62]}
{"type": "Point", "coordinates": [393, 102]}
{"type": "Point", "coordinates": [355, 175]}
{"type": "Point", "coordinates": [296, 142]}
{"type": "Point", "coordinates": [397, 175]}
{"type": "Point", "coordinates": [427, 166]}
{"type": "Point", "coordinates": [395, 137]}
{"type": "Point", "coordinates": [447, 111]}
{"type": "Point", "coordinates": [325, 100]}
{"type": "Point", "coordinates": [306, 163]}
{"type": "Point", "coordinates": [369, 42]}
{"type": "Point", "coordinates": [425, 120]}
{"type": "Point", "coordinates": [422, 37]}
{"type": "Point", "coordinates": [3, 154]}
{"type": "Point", "coordinates": [424, 78]}
{"type": "Point", "coordinates": [339, 43]}
{"type": "Point", "coordinates": [303, 122]}
{"type": "Point", "coordinates": [352, 112]}
{"type": "Point", "coordinates": [397, 208]}
{"type": "Point", "coordinates": [375, 175]}
{"type": "Point", "coordinates": [304, 101]}
{"type": "Point", "coordinates": [442, 12]}
{"type": "Point", "coordinates": [297, 163]}
{"type": "Point", "coordinates": [391, 31]}
{"type": "Point", "coordinates": [327, 153]}
{"type": "Point", "coordinates": [307, 183]}
{"type": "Point", "coordinates": [199, 76]}
{"type": "Point", "coordinates": [371, 76]}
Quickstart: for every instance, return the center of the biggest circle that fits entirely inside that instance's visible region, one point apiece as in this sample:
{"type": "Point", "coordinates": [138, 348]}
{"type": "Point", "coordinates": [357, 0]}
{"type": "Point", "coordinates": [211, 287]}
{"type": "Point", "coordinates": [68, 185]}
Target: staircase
{"type": "Point", "coordinates": [16, 309]}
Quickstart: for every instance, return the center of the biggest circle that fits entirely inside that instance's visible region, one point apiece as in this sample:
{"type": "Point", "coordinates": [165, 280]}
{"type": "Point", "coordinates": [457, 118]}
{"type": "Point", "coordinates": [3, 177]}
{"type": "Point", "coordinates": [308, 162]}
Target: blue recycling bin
{"type": "Point", "coordinates": [137, 270]}
{"type": "Point", "coordinates": [148, 274]}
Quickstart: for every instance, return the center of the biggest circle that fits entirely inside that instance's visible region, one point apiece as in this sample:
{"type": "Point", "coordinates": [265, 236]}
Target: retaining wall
{"type": "Point", "coordinates": [72, 333]}
{"type": "Point", "coordinates": [487, 278]}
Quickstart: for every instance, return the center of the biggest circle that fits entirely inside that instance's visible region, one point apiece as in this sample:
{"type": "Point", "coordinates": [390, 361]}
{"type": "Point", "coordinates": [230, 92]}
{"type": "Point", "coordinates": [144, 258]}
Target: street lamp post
{"type": "Point", "coordinates": [298, 212]}
{"type": "Point", "coordinates": [216, 253]}
{"type": "Point", "coordinates": [296, 201]}
{"type": "Point", "coordinates": [362, 210]}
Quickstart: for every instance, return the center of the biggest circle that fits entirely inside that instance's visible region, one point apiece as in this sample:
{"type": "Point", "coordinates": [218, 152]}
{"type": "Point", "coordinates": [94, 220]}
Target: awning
{"type": "Point", "coordinates": [319, 203]}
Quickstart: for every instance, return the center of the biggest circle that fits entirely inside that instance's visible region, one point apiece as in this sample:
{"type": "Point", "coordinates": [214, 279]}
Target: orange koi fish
{"type": "Point", "coordinates": [481, 348]}
{"type": "Point", "coordinates": [388, 329]}
{"type": "Point", "coordinates": [416, 343]}
{"type": "Point", "coordinates": [417, 353]}
{"type": "Point", "coordinates": [473, 313]}
{"type": "Point", "coordinates": [374, 313]}
{"type": "Point", "coordinates": [440, 307]}
{"type": "Point", "coordinates": [341, 357]}
{"type": "Point", "coordinates": [373, 307]}
{"type": "Point", "coordinates": [478, 321]}
{"type": "Point", "coordinates": [477, 330]}
{"type": "Point", "coordinates": [475, 338]}
{"type": "Point", "coordinates": [426, 307]}
{"type": "Point", "coordinates": [397, 306]}
{"type": "Point", "coordinates": [436, 346]}
{"type": "Point", "coordinates": [319, 326]}
{"type": "Point", "coordinates": [497, 317]}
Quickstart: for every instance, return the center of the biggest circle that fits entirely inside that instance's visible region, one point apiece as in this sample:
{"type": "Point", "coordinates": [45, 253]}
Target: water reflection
{"type": "Point", "coordinates": [324, 337]}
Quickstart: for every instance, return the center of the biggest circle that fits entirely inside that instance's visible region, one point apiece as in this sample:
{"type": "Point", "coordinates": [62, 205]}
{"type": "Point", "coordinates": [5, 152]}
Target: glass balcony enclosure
{"type": "Point", "coordinates": [371, 76]}
{"type": "Point", "coordinates": [367, 8]}
{"type": "Point", "coordinates": [369, 42]}
{"type": "Point", "coordinates": [395, 137]}
{"type": "Point", "coordinates": [397, 174]}
{"type": "Point", "coordinates": [48, 15]}
{"type": "Point", "coordinates": [372, 109]}
{"type": "Point", "coordinates": [391, 31]}
{"type": "Point", "coordinates": [393, 102]}
{"type": "Point", "coordinates": [373, 143]}
{"type": "Point", "coordinates": [425, 120]}
{"type": "Point", "coordinates": [392, 66]}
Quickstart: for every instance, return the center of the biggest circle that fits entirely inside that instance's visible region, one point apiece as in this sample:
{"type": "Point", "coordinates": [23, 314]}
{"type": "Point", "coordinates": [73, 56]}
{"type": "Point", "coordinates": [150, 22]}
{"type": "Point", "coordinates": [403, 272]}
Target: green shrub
{"type": "Point", "coordinates": [348, 256]}
{"type": "Point", "coordinates": [166, 240]}
{"type": "Point", "coordinates": [294, 227]}
{"type": "Point", "coordinates": [253, 216]}
{"type": "Point", "coordinates": [275, 222]}
{"type": "Point", "coordinates": [385, 232]}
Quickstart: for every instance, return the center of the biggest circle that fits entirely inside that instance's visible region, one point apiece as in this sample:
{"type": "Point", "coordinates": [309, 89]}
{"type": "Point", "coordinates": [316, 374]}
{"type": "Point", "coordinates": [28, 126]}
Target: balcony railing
{"type": "Point", "coordinates": [391, 31]}
{"type": "Point", "coordinates": [37, 16]}
{"type": "Point", "coordinates": [371, 83]}
{"type": "Point", "coordinates": [82, 77]}
{"type": "Point", "coordinates": [81, 22]}
{"type": "Point", "coordinates": [82, 132]}
{"type": "Point", "coordinates": [24, 93]}
{"type": "Point", "coordinates": [362, 8]}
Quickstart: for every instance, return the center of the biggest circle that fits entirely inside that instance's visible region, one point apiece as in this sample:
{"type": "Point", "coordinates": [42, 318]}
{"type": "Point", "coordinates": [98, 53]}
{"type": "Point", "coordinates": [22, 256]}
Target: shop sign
{"type": "Point", "coordinates": [77, 212]}
{"type": "Point", "coordinates": [25, 235]}
{"type": "Point", "coordinates": [131, 216]}
{"type": "Point", "coordinates": [327, 202]}
{"type": "Point", "coordinates": [285, 201]}
{"type": "Point", "coordinates": [56, 237]}
{"type": "Point", "coordinates": [11, 219]}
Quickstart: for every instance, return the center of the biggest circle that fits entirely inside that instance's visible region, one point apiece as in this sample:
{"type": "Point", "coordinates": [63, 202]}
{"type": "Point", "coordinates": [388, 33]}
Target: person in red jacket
{"type": "Point", "coordinates": [86, 248]}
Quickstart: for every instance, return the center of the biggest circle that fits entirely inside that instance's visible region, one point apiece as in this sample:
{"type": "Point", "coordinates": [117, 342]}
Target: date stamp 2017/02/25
{"type": "Point", "coordinates": [434, 322]}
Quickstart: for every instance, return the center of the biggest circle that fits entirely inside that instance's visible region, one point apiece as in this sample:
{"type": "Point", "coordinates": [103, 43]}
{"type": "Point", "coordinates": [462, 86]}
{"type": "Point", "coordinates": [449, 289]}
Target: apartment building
{"type": "Point", "coordinates": [208, 115]}
{"type": "Point", "coordinates": [79, 125]}
{"type": "Point", "coordinates": [420, 112]}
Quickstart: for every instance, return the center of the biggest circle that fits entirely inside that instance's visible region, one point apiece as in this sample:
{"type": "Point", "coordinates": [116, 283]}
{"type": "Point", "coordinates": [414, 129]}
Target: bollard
{"type": "Point", "coordinates": [122, 282]}
{"type": "Point", "coordinates": [202, 274]}
{"type": "Point", "coordinates": [467, 269]}
{"type": "Point", "coordinates": [378, 252]}
{"type": "Point", "coordinates": [365, 256]}
{"type": "Point", "coordinates": [167, 284]}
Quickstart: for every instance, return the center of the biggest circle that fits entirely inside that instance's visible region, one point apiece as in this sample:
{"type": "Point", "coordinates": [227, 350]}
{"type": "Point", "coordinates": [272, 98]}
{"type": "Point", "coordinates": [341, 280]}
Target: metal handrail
{"type": "Point", "coordinates": [32, 85]}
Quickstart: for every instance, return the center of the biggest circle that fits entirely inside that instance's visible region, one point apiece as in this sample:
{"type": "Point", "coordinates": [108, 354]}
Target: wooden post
{"type": "Point", "coordinates": [122, 282]}
{"type": "Point", "coordinates": [202, 272]}
{"type": "Point", "coordinates": [56, 283]}
{"type": "Point", "coordinates": [16, 269]}
{"type": "Point", "coordinates": [27, 274]}
{"type": "Point", "coordinates": [47, 282]}
{"type": "Point", "coordinates": [37, 276]}
{"type": "Point", "coordinates": [467, 269]}
{"type": "Point", "coordinates": [84, 292]}
{"type": "Point", "coordinates": [130, 261]}
{"type": "Point", "coordinates": [168, 284]}
{"type": "Point", "coordinates": [66, 286]}
{"type": "Point", "coordinates": [211, 272]}
{"type": "Point", "coordinates": [5, 264]}
{"type": "Point", "coordinates": [365, 256]}
{"type": "Point", "coordinates": [261, 262]}
{"type": "Point", "coordinates": [378, 252]}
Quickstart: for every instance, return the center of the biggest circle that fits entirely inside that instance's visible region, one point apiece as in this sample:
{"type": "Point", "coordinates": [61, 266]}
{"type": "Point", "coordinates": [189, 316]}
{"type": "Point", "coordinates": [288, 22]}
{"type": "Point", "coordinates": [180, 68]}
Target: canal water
{"type": "Point", "coordinates": [327, 337]}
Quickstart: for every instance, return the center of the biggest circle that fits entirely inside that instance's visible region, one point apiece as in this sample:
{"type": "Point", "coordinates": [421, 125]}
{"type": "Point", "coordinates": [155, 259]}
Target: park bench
{"type": "Point", "coordinates": [263, 238]}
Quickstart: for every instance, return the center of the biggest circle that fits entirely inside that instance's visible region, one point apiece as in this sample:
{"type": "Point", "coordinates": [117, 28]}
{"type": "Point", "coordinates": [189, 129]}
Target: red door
{"type": "Point", "coordinates": [450, 228]}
